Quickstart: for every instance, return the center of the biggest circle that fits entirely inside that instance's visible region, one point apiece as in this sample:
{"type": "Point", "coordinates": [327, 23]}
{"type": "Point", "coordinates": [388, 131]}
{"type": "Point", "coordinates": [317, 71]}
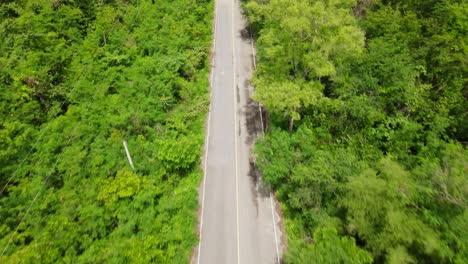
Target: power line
{"type": "Point", "coordinates": [61, 105]}
{"type": "Point", "coordinates": [37, 140]}
{"type": "Point", "coordinates": [55, 164]}
{"type": "Point", "coordinates": [67, 98]}
{"type": "Point", "coordinates": [34, 199]}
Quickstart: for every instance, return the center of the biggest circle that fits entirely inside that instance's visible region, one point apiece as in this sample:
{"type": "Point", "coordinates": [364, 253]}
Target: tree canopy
{"type": "Point", "coordinates": [374, 168]}
{"type": "Point", "coordinates": [78, 78]}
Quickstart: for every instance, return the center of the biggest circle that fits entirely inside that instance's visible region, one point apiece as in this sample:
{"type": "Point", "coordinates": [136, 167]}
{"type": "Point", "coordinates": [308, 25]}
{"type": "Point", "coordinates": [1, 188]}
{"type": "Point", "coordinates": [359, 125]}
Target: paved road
{"type": "Point", "coordinates": [238, 223]}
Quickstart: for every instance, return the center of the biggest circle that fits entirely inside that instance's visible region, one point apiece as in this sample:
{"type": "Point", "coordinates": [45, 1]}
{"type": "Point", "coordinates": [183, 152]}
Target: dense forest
{"type": "Point", "coordinates": [366, 145]}
{"type": "Point", "coordinates": [77, 78]}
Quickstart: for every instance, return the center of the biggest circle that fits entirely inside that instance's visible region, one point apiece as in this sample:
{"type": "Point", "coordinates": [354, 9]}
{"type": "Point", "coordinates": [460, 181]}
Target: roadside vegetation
{"type": "Point", "coordinates": [77, 78]}
{"type": "Point", "coordinates": [368, 126]}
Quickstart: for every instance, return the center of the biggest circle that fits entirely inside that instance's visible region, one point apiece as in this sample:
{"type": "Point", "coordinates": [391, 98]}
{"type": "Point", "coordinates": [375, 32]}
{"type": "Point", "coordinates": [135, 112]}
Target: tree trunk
{"type": "Point", "coordinates": [291, 124]}
{"type": "Point", "coordinates": [266, 119]}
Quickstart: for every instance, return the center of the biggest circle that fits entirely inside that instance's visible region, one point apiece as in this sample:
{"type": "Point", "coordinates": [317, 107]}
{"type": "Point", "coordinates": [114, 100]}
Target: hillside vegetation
{"type": "Point", "coordinates": [77, 78]}
{"type": "Point", "coordinates": [366, 147]}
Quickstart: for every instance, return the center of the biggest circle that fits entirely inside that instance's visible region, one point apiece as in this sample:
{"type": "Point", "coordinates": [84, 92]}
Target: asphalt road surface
{"type": "Point", "coordinates": [238, 220]}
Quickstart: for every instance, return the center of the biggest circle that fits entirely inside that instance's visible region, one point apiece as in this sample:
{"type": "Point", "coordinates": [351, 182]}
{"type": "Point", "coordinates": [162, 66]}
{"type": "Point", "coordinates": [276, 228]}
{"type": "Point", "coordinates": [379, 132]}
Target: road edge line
{"type": "Point", "coordinates": [263, 133]}
{"type": "Point", "coordinates": [207, 140]}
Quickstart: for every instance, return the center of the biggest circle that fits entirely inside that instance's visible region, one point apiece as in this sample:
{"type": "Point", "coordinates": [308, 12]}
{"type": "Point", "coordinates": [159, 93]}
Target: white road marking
{"type": "Point", "coordinates": [208, 131]}
{"type": "Point", "coordinates": [235, 124]}
{"type": "Point", "coordinates": [235, 140]}
{"type": "Point", "coordinates": [274, 226]}
{"type": "Point", "coordinates": [263, 132]}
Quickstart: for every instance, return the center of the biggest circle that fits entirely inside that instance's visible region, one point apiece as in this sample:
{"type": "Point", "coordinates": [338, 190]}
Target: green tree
{"type": "Point", "coordinates": [328, 247]}
{"type": "Point", "coordinates": [379, 153]}
{"type": "Point", "coordinates": [300, 41]}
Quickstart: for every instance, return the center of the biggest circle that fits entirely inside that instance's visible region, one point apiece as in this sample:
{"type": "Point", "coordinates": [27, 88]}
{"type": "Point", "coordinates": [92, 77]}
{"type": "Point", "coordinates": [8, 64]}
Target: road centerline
{"type": "Point", "coordinates": [235, 125]}
{"type": "Point", "coordinates": [235, 218]}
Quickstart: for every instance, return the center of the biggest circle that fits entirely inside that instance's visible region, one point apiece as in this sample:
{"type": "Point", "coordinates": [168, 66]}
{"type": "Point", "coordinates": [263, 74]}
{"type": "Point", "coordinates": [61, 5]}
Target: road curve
{"type": "Point", "coordinates": [238, 223]}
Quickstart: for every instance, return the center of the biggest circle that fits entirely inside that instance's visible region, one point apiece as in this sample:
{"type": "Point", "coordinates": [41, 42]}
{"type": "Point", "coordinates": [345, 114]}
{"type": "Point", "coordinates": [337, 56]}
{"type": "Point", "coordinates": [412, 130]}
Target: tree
{"type": "Point", "coordinates": [77, 78]}
{"type": "Point", "coordinates": [379, 153]}
{"type": "Point", "coordinates": [330, 248]}
{"type": "Point", "coordinates": [300, 42]}
{"type": "Point", "coordinates": [287, 97]}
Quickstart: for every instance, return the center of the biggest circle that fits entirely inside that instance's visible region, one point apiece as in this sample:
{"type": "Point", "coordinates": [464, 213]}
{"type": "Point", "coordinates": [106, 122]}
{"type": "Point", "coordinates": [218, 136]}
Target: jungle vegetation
{"type": "Point", "coordinates": [77, 78]}
{"type": "Point", "coordinates": [366, 146]}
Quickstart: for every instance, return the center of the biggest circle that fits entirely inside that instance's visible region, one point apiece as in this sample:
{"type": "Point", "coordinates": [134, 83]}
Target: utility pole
{"type": "Point", "coordinates": [128, 154]}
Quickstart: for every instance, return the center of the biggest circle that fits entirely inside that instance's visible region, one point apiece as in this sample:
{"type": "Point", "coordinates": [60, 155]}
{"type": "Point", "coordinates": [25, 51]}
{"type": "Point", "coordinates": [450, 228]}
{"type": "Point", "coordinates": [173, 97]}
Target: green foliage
{"type": "Point", "coordinates": [378, 155]}
{"type": "Point", "coordinates": [287, 97]}
{"type": "Point", "coordinates": [300, 41]}
{"type": "Point", "coordinates": [180, 153]}
{"type": "Point", "coordinates": [328, 248]}
{"type": "Point", "coordinates": [124, 185]}
{"type": "Point", "coordinates": [78, 78]}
